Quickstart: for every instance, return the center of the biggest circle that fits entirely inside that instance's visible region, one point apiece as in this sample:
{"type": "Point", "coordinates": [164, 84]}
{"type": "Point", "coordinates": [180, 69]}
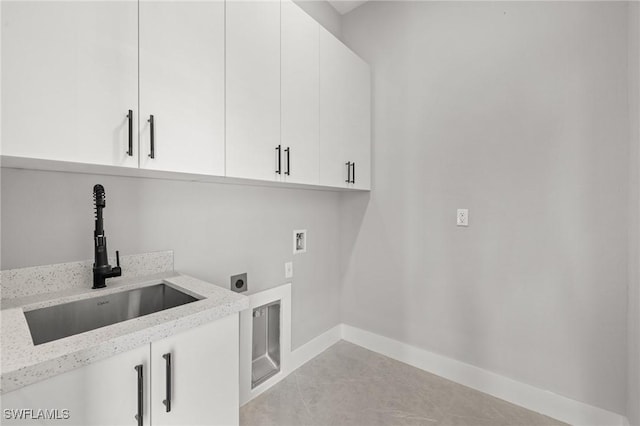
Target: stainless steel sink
{"type": "Point", "coordinates": [56, 322]}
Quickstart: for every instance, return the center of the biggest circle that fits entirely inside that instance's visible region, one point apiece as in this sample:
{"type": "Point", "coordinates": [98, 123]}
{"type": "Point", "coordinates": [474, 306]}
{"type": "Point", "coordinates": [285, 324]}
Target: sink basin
{"type": "Point", "coordinates": [67, 319]}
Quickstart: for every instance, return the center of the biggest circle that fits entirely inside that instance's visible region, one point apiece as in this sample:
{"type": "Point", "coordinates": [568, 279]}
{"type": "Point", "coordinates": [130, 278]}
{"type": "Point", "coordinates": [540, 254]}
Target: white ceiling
{"type": "Point", "coordinates": [345, 6]}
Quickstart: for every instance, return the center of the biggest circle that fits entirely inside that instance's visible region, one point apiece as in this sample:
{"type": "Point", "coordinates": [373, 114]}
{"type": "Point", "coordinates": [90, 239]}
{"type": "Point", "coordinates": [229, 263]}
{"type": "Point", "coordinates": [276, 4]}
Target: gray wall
{"type": "Point", "coordinates": [633, 409]}
{"type": "Point", "coordinates": [517, 111]}
{"type": "Point", "coordinates": [215, 230]}
{"type": "Point", "coordinates": [324, 13]}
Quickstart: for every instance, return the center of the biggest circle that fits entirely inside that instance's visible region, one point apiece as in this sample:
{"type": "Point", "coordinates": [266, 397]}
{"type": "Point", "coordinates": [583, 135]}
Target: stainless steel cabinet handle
{"type": "Point", "coordinates": [167, 360]}
{"type": "Point", "coordinates": [353, 172]}
{"type": "Point", "coordinates": [140, 394]}
{"type": "Point", "coordinates": [348, 164]}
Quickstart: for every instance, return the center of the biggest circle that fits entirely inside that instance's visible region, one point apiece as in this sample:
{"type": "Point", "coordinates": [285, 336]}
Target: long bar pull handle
{"type": "Point", "coordinates": [152, 135]}
{"type": "Point", "coordinates": [348, 164]}
{"type": "Point", "coordinates": [167, 360]}
{"type": "Point", "coordinates": [130, 120]}
{"type": "Point", "coordinates": [288, 151]}
{"type": "Point", "coordinates": [279, 159]}
{"type": "Point", "coordinates": [353, 172]}
{"type": "Point", "coordinates": [140, 394]}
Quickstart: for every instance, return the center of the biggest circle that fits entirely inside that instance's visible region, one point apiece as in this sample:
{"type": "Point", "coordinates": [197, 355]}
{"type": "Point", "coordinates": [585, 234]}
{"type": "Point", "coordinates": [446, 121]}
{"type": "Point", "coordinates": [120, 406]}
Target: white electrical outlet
{"type": "Point", "coordinates": [462, 218]}
{"type": "Point", "coordinates": [288, 270]}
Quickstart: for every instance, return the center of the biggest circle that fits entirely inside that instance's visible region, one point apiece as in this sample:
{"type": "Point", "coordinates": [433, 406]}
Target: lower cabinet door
{"type": "Point", "coordinates": [104, 393]}
{"type": "Point", "coordinates": [196, 375]}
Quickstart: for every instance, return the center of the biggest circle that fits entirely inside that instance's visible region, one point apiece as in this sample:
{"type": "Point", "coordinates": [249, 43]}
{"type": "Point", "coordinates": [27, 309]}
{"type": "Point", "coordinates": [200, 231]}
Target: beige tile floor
{"type": "Point", "coordinates": [350, 385]}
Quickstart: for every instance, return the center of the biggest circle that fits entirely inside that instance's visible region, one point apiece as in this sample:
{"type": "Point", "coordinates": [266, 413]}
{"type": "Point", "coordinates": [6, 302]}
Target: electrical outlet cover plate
{"type": "Point", "coordinates": [288, 270]}
{"type": "Point", "coordinates": [299, 241]}
{"type": "Point", "coordinates": [462, 217]}
{"type": "Point", "coordinates": [239, 283]}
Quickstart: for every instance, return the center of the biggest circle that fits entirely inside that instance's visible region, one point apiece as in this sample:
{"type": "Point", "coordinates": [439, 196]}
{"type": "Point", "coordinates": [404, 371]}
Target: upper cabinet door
{"type": "Point", "coordinates": [182, 86]}
{"type": "Point", "coordinates": [359, 129]}
{"type": "Point", "coordinates": [300, 95]}
{"type": "Point", "coordinates": [345, 107]}
{"type": "Point", "coordinates": [69, 78]}
{"type": "Point", "coordinates": [253, 89]}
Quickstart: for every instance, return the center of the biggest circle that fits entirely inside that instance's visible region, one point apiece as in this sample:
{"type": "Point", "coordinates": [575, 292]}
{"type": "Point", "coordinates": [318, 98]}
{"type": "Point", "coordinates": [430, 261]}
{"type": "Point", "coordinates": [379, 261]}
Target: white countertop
{"type": "Point", "coordinates": [24, 363]}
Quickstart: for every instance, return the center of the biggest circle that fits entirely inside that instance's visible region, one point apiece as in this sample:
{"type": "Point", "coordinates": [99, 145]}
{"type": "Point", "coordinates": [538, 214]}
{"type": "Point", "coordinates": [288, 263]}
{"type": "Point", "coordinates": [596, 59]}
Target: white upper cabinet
{"type": "Point", "coordinates": [182, 86]}
{"type": "Point", "coordinates": [300, 95]}
{"type": "Point", "coordinates": [245, 89]}
{"type": "Point", "coordinates": [69, 78]}
{"type": "Point", "coordinates": [345, 109]}
{"type": "Point", "coordinates": [253, 90]}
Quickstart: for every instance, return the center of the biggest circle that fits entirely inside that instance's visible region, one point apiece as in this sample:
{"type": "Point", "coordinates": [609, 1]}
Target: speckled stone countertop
{"type": "Point", "coordinates": [35, 280]}
{"type": "Point", "coordinates": [23, 363]}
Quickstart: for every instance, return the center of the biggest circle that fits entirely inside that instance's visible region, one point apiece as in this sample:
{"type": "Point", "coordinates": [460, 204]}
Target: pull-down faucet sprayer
{"type": "Point", "coordinates": [101, 268]}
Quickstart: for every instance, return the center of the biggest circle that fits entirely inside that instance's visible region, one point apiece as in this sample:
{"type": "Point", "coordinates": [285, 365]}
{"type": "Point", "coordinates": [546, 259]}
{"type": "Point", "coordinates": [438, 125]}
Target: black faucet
{"type": "Point", "coordinates": [101, 268]}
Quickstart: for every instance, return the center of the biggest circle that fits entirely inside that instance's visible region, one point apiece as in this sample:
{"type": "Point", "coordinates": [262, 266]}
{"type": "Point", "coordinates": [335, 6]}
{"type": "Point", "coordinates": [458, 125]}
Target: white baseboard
{"type": "Point", "coordinates": [530, 397]}
{"type": "Point", "coordinates": [535, 399]}
{"type": "Point", "coordinates": [315, 347]}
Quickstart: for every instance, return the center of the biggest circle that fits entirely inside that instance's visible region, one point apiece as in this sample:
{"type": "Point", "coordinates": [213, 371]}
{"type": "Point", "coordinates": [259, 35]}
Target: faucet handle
{"type": "Point", "coordinates": [118, 258]}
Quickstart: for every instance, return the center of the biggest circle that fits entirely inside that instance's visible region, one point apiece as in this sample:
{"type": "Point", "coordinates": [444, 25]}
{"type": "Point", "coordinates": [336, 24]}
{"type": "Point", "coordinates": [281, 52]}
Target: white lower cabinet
{"type": "Point", "coordinates": [203, 376]}
{"type": "Point", "coordinates": [103, 393]}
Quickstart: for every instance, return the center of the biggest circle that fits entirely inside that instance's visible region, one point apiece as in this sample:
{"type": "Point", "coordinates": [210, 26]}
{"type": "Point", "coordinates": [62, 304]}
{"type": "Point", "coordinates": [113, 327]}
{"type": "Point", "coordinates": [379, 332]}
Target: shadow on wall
{"type": "Point", "coordinates": [353, 208]}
